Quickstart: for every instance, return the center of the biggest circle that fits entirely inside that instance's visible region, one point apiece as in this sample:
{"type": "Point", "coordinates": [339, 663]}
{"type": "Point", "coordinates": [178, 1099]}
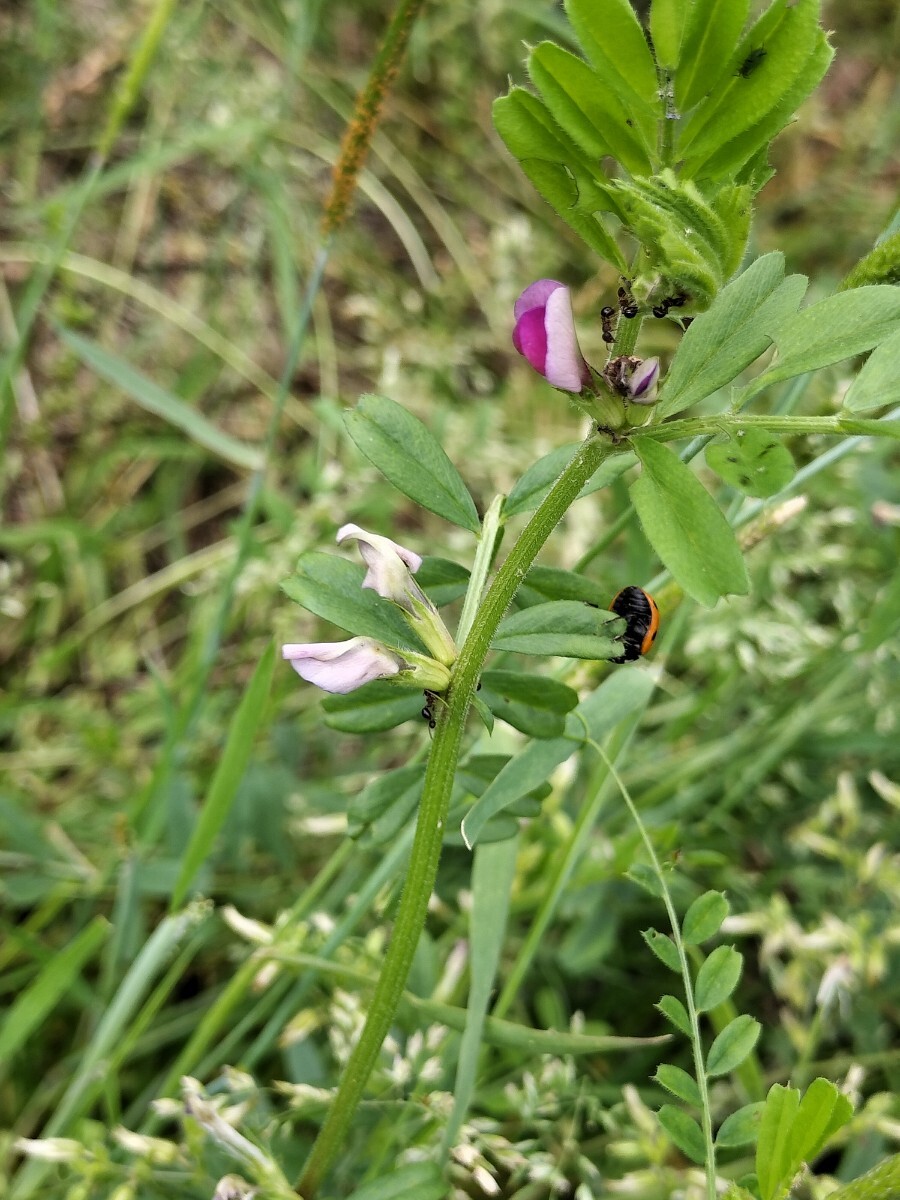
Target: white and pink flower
{"type": "Point", "coordinates": [545, 334]}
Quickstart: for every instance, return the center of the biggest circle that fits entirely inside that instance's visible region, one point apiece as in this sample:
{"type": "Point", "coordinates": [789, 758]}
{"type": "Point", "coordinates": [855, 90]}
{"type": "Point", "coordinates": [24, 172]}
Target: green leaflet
{"type": "Point", "coordinates": [754, 461]}
{"type": "Point", "coordinates": [331, 587]}
{"type": "Point", "coordinates": [568, 628]}
{"type": "Point", "coordinates": [617, 698]}
{"type": "Point", "coordinates": [878, 383]}
{"type": "Point", "coordinates": [410, 456]}
{"type": "Point", "coordinates": [686, 527]}
{"type": "Point", "coordinates": [733, 1045]}
{"type": "Point", "coordinates": [731, 334]}
{"type": "Point", "coordinates": [667, 24]}
{"type": "Point", "coordinates": [679, 1083]}
{"type": "Point", "coordinates": [787, 32]}
{"type": "Point", "coordinates": [533, 704]}
{"type": "Point", "coordinates": [372, 709]}
{"type": "Point", "coordinates": [616, 45]}
{"type": "Point", "coordinates": [684, 1132]}
{"type": "Point", "coordinates": [710, 39]}
{"type": "Point", "coordinates": [717, 978]}
{"type": "Point", "coordinates": [703, 918]}
{"type": "Point", "coordinates": [592, 115]}
{"type": "Point", "coordinates": [723, 161]}
{"type": "Point", "coordinates": [740, 1128]}
{"type": "Point", "coordinates": [831, 330]}
{"type": "Point", "coordinates": [557, 169]}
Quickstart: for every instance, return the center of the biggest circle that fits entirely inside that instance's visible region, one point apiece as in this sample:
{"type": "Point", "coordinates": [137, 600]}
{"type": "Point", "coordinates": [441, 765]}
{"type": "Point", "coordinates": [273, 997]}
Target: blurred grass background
{"type": "Point", "coordinates": [769, 764]}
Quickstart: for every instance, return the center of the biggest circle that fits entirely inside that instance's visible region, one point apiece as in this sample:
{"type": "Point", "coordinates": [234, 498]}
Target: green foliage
{"type": "Point", "coordinates": [793, 1131]}
{"type": "Point", "coordinates": [753, 461]}
{"type": "Point", "coordinates": [374, 708]}
{"type": "Point", "coordinates": [881, 265]}
{"type": "Point", "coordinates": [878, 383]}
{"type": "Point", "coordinates": [686, 527]}
{"type": "Point", "coordinates": [155, 399]}
{"type": "Point", "coordinates": [722, 342]}
{"type": "Point", "coordinates": [740, 1128]}
{"type": "Point", "coordinates": [565, 627]}
{"type": "Point", "coordinates": [229, 773]}
{"type": "Point", "coordinates": [831, 330]}
{"type": "Point", "coordinates": [701, 92]}
{"type": "Point", "coordinates": [684, 1132]}
{"type": "Point", "coordinates": [703, 918]}
{"type": "Point", "coordinates": [408, 454]}
{"type": "Point", "coordinates": [733, 1045]}
{"type": "Point", "coordinates": [533, 704]}
{"type": "Point", "coordinates": [133, 554]}
{"type": "Point", "coordinates": [717, 978]}
{"type": "Point", "coordinates": [878, 1184]}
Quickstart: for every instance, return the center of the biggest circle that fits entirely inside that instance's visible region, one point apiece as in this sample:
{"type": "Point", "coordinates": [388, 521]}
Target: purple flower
{"type": "Point", "coordinates": [342, 667]}
{"type": "Point", "coordinates": [545, 335]}
{"type": "Point", "coordinates": [642, 382]}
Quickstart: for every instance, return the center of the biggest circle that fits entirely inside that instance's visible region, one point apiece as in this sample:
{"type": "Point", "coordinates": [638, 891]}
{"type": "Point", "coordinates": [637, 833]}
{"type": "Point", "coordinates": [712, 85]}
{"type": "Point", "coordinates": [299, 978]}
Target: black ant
{"type": "Point", "coordinates": [428, 711]}
{"type": "Point", "coordinates": [661, 310]}
{"type": "Point", "coordinates": [617, 372]}
{"type": "Point", "coordinates": [751, 62]}
{"type": "Point", "coordinates": [432, 699]}
{"type": "Point", "coordinates": [606, 316]}
{"type": "Point", "coordinates": [627, 302]}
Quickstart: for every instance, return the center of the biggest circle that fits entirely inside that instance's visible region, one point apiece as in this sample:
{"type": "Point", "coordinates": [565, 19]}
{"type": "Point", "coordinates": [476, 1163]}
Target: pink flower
{"type": "Point", "coordinates": [545, 335]}
{"type": "Point", "coordinates": [342, 667]}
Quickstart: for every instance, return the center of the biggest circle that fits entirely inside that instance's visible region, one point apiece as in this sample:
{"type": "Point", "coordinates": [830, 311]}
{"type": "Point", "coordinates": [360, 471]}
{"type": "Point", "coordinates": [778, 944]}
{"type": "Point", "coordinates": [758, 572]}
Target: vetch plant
{"type": "Point", "coordinates": [652, 148]}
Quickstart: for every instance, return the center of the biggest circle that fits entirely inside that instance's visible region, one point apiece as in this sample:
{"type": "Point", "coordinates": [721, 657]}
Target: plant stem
{"type": "Point", "coordinates": [693, 1016]}
{"type": "Point", "coordinates": [668, 431]}
{"type": "Point", "coordinates": [438, 785]}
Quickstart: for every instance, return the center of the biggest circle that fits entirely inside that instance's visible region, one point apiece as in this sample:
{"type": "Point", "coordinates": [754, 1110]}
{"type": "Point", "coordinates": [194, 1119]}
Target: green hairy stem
{"type": "Point", "coordinates": [451, 717]}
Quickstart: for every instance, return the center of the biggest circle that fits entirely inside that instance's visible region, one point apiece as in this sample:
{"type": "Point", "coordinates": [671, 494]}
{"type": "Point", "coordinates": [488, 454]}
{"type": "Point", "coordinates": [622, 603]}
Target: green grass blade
{"type": "Point", "coordinates": [54, 980]}
{"type": "Point", "coordinates": [113, 1026]}
{"type": "Point", "coordinates": [151, 397]}
{"type": "Point", "coordinates": [229, 773]}
{"type": "Point", "coordinates": [492, 878]}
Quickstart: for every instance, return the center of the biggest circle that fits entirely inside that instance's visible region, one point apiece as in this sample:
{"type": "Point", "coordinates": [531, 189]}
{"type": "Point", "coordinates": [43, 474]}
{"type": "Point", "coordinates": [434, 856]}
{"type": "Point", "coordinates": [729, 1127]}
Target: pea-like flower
{"type": "Point", "coordinates": [390, 567]}
{"type": "Point", "coordinates": [389, 572]}
{"type": "Point", "coordinates": [342, 667]}
{"type": "Point", "coordinates": [545, 335]}
{"type": "Point", "coordinates": [642, 382]}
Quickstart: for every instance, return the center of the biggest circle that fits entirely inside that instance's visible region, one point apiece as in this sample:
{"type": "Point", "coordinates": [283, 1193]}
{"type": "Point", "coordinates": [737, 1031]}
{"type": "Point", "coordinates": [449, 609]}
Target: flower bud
{"type": "Point", "coordinates": [545, 334]}
{"type": "Point", "coordinates": [389, 573]}
{"type": "Point", "coordinates": [388, 564]}
{"type": "Point", "coordinates": [642, 382]}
